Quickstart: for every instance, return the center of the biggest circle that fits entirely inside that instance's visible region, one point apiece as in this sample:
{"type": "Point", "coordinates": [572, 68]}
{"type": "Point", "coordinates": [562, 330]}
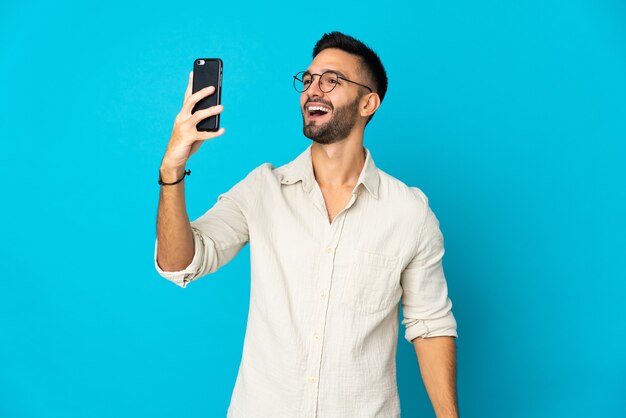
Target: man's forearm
{"type": "Point", "coordinates": [437, 361]}
{"type": "Point", "coordinates": [176, 246]}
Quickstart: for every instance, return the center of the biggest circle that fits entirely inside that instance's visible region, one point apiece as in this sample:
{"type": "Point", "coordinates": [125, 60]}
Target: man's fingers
{"type": "Point", "coordinates": [203, 136]}
{"type": "Point", "coordinates": [196, 97]}
{"type": "Point", "coordinates": [205, 113]}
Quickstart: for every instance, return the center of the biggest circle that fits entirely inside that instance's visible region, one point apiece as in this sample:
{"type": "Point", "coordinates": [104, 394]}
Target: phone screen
{"type": "Point", "coordinates": [208, 72]}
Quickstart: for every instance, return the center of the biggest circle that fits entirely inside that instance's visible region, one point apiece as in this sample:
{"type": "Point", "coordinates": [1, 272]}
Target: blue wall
{"type": "Point", "coordinates": [510, 116]}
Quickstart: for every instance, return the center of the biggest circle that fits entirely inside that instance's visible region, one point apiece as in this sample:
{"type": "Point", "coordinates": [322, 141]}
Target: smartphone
{"type": "Point", "coordinates": [208, 72]}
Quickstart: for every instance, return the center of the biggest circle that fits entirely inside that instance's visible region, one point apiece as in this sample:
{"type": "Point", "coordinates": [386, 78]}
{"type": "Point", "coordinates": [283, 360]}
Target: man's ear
{"type": "Point", "coordinates": [369, 104]}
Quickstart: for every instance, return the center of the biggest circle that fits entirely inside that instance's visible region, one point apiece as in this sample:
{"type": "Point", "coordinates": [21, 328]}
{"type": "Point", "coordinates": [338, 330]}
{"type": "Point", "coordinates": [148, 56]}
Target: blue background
{"type": "Point", "coordinates": [510, 116]}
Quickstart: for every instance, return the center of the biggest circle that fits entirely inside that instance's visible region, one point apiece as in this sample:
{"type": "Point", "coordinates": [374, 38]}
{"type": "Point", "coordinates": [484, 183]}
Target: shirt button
{"type": "Point", "coordinates": [317, 337]}
{"type": "Point", "coordinates": [312, 379]}
{"type": "Point", "coordinates": [329, 249]}
{"type": "Point", "coordinates": [323, 295]}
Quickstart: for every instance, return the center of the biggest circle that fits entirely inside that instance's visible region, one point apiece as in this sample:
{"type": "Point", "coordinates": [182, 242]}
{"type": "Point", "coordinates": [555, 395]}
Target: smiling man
{"type": "Point", "coordinates": [336, 244]}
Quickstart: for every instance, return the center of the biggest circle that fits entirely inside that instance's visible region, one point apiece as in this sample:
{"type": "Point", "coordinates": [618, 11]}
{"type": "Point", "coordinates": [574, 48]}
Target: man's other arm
{"type": "Point", "coordinates": [437, 361]}
{"type": "Point", "coordinates": [430, 324]}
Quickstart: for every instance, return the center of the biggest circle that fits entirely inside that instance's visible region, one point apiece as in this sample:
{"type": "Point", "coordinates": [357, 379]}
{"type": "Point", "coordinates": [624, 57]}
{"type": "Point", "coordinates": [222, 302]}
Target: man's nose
{"type": "Point", "coordinates": [314, 88]}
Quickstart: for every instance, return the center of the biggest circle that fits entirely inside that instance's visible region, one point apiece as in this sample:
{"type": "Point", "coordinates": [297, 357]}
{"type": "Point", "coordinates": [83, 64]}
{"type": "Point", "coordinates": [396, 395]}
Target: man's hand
{"type": "Point", "coordinates": [437, 362]}
{"type": "Point", "coordinates": [186, 139]}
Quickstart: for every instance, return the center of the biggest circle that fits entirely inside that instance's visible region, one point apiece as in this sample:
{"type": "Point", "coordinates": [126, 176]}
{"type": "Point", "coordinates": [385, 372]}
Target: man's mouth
{"type": "Point", "coordinates": [316, 111]}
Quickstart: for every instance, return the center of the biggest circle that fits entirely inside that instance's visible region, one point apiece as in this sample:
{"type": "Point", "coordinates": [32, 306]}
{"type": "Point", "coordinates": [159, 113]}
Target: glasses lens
{"type": "Point", "coordinates": [328, 82]}
{"type": "Point", "coordinates": [301, 81]}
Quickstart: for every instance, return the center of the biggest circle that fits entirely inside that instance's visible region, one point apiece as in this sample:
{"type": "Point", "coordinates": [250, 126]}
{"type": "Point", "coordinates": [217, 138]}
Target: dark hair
{"type": "Point", "coordinates": [367, 56]}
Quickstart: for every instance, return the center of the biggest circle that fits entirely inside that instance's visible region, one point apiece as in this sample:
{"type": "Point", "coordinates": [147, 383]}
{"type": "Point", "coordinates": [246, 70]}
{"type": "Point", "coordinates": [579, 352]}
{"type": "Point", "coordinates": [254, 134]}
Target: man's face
{"type": "Point", "coordinates": [330, 117]}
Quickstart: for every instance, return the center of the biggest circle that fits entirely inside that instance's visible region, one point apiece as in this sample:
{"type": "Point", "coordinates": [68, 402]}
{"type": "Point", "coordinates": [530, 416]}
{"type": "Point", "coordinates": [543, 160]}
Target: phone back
{"type": "Point", "coordinates": [208, 72]}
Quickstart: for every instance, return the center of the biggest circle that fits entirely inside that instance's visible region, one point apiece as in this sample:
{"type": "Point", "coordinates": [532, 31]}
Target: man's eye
{"type": "Point", "coordinates": [306, 81]}
{"type": "Point", "coordinates": [333, 81]}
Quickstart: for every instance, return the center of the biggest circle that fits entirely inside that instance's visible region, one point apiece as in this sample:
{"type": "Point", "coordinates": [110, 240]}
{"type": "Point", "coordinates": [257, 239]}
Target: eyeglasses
{"type": "Point", "coordinates": [327, 81]}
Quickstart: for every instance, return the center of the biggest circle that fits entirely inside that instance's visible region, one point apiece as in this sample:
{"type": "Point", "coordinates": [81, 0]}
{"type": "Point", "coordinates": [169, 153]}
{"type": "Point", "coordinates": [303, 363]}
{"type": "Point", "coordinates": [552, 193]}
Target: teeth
{"type": "Point", "coordinates": [321, 108]}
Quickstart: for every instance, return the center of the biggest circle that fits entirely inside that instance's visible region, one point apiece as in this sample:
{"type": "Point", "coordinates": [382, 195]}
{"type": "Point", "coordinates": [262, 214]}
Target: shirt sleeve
{"type": "Point", "coordinates": [218, 235]}
{"type": "Point", "coordinates": [426, 307]}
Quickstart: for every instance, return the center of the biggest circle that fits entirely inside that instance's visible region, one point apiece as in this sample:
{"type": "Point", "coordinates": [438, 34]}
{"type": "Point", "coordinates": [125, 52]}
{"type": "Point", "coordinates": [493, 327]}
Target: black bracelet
{"type": "Point", "coordinates": [188, 172]}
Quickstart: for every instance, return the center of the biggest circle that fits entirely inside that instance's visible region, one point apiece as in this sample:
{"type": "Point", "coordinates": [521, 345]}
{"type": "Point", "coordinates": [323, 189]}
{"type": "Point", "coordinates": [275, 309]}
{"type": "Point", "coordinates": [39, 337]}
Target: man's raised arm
{"type": "Point", "coordinates": [175, 239]}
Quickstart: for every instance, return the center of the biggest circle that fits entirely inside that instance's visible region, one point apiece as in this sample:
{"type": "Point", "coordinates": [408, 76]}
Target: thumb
{"type": "Point", "coordinates": [194, 147]}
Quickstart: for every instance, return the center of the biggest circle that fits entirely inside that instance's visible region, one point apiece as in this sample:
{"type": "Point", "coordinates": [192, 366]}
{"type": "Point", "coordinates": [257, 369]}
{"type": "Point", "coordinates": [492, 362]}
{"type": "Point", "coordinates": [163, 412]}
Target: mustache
{"type": "Point", "coordinates": [328, 104]}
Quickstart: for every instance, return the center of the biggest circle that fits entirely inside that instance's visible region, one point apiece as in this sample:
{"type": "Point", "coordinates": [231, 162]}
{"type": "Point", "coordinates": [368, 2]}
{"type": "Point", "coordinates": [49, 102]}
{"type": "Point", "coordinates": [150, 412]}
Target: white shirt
{"type": "Point", "coordinates": [322, 326]}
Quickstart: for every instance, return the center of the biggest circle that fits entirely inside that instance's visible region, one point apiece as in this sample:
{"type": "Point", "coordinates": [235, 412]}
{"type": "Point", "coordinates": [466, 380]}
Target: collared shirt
{"type": "Point", "coordinates": [322, 328]}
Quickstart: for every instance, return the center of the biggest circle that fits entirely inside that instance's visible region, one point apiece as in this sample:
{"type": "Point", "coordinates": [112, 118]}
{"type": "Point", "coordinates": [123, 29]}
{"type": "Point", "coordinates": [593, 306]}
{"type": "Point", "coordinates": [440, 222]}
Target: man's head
{"type": "Point", "coordinates": [351, 91]}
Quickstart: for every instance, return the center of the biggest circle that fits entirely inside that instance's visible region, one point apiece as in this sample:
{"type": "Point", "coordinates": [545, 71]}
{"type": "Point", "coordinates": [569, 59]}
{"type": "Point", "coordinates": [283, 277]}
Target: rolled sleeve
{"type": "Point", "coordinates": [182, 277]}
{"type": "Point", "coordinates": [219, 234]}
{"type": "Point", "coordinates": [426, 307]}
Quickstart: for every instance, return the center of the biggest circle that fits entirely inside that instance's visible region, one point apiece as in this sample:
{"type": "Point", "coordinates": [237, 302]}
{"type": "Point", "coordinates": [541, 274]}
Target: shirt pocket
{"type": "Point", "coordinates": [372, 283]}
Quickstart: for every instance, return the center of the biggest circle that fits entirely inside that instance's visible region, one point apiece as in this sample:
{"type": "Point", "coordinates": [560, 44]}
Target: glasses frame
{"type": "Point", "coordinates": [298, 77]}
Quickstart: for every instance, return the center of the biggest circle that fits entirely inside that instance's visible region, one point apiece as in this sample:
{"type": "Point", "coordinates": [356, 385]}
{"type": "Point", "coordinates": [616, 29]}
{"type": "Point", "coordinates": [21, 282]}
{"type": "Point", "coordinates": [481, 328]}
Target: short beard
{"type": "Point", "coordinates": [337, 128]}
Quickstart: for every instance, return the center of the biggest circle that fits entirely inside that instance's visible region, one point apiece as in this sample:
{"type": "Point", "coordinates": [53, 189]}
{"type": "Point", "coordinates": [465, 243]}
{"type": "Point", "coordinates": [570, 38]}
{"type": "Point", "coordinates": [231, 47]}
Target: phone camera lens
{"type": "Point", "coordinates": [200, 62]}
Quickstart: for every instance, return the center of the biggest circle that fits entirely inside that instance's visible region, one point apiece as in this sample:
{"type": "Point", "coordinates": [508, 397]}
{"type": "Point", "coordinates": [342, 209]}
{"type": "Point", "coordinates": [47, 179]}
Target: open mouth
{"type": "Point", "coordinates": [316, 111]}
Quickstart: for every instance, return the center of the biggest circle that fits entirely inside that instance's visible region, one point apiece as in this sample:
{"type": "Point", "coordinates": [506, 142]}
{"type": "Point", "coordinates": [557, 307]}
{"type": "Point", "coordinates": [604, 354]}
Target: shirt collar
{"type": "Point", "coordinates": [301, 169]}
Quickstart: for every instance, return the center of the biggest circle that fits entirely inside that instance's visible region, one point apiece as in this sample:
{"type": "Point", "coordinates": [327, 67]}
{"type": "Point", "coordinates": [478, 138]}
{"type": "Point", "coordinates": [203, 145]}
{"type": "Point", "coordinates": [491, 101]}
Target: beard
{"type": "Point", "coordinates": [337, 128]}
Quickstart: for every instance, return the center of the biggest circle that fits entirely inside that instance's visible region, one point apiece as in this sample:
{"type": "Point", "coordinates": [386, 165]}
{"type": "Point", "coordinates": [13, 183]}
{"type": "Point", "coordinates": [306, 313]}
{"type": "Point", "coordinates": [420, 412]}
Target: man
{"type": "Point", "coordinates": [335, 244]}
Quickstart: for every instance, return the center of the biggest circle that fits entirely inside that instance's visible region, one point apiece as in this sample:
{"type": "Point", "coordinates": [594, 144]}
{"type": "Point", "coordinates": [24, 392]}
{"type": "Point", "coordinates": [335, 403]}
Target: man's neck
{"type": "Point", "coordinates": [338, 165]}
